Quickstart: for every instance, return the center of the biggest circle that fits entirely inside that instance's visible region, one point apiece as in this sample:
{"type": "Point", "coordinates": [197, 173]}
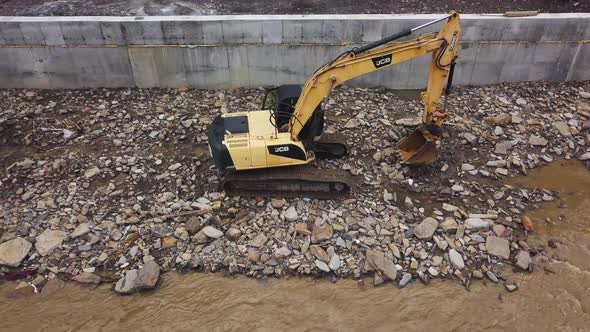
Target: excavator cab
{"type": "Point", "coordinates": [281, 102]}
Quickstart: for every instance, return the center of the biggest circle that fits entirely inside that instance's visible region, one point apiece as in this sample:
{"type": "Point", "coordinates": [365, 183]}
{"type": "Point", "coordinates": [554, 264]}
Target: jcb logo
{"type": "Point", "coordinates": [382, 61]}
{"type": "Point", "coordinates": [282, 149]}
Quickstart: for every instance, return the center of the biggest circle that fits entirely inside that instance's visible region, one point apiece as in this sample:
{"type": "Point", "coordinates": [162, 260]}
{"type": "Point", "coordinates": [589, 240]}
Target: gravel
{"type": "Point", "coordinates": [132, 182]}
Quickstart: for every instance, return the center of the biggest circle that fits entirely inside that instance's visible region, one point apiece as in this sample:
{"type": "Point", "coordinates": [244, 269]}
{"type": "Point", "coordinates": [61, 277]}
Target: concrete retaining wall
{"type": "Point", "coordinates": [250, 51]}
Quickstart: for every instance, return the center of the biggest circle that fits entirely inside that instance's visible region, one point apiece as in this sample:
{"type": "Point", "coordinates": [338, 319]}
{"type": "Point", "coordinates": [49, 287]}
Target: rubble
{"type": "Point", "coordinates": [134, 181]}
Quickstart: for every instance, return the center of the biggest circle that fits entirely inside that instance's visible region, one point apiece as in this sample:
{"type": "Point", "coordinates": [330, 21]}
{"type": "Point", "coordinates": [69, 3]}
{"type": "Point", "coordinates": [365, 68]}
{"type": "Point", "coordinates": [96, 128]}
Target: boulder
{"type": "Point", "coordinates": [87, 278]}
{"type": "Point", "coordinates": [476, 224]}
{"type": "Point", "coordinates": [137, 280]}
{"type": "Point", "coordinates": [47, 241]}
{"type": "Point", "coordinates": [233, 234]}
{"type": "Point", "coordinates": [14, 251]}
{"type": "Point", "coordinates": [537, 140]}
{"type": "Point", "coordinates": [148, 275]}
{"type": "Point", "coordinates": [498, 246]}
{"type": "Point", "coordinates": [321, 232]}
{"type": "Point", "coordinates": [335, 262]}
{"type": "Point", "coordinates": [322, 266]}
{"type": "Point", "coordinates": [502, 119]}
{"type": "Point", "coordinates": [126, 285]}
{"type": "Point", "coordinates": [376, 261]}
{"type": "Point", "coordinates": [319, 253]}
{"type": "Point", "coordinates": [290, 214]}
{"type": "Point", "coordinates": [258, 241]}
{"type": "Point", "coordinates": [212, 232]}
{"type": "Point", "coordinates": [456, 259]}
{"type": "Point", "coordinates": [523, 260]}
{"type": "Point", "coordinates": [80, 230]}
{"type": "Point", "coordinates": [426, 228]}
{"type": "Point", "coordinates": [278, 203]}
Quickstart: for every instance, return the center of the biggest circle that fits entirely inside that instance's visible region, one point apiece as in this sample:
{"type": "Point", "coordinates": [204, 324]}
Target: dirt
{"type": "Point", "coordinates": [211, 7]}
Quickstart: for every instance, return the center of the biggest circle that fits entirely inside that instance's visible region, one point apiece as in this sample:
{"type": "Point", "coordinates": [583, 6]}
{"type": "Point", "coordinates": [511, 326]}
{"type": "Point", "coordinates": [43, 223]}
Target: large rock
{"type": "Point", "coordinates": [290, 214]}
{"type": "Point", "coordinates": [321, 232]}
{"type": "Point", "coordinates": [498, 246]}
{"type": "Point", "coordinates": [563, 128]}
{"type": "Point", "coordinates": [126, 285]}
{"type": "Point", "coordinates": [89, 173]}
{"type": "Point", "coordinates": [335, 262]}
{"type": "Point", "coordinates": [137, 280]}
{"type": "Point", "coordinates": [322, 266]}
{"type": "Point", "coordinates": [87, 278]}
{"type": "Point", "coordinates": [193, 226]}
{"type": "Point", "coordinates": [426, 228]}
{"type": "Point", "coordinates": [212, 232]}
{"type": "Point", "coordinates": [278, 203]}
{"type": "Point", "coordinates": [409, 122]}
{"type": "Point", "coordinates": [319, 253]}
{"type": "Point", "coordinates": [476, 224]}
{"type": "Point", "coordinates": [53, 286]}
{"type": "Point", "coordinates": [503, 147]}
{"type": "Point", "coordinates": [148, 275]}
{"type": "Point", "coordinates": [449, 225]}
{"type": "Point", "coordinates": [80, 230]}
{"type": "Point", "coordinates": [376, 261]}
{"type": "Point", "coordinates": [282, 252]}
{"type": "Point", "coordinates": [233, 234]}
{"type": "Point", "coordinates": [537, 140]}
{"type": "Point", "coordinates": [352, 123]}
{"type": "Point", "coordinates": [49, 240]}
{"type": "Point", "coordinates": [258, 241]}
{"type": "Point", "coordinates": [502, 119]}
{"type": "Point", "coordinates": [456, 259]}
{"type": "Point", "coordinates": [14, 251]}
{"type": "Point", "coordinates": [406, 278]}
{"type": "Point", "coordinates": [523, 260]}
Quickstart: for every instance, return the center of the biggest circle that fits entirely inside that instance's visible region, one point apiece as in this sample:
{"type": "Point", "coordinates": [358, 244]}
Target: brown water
{"type": "Point", "coordinates": [556, 297]}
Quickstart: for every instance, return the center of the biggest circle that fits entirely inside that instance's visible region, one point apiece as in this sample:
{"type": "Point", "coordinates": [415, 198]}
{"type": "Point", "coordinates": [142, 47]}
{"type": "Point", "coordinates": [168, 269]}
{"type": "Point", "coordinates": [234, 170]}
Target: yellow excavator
{"type": "Point", "coordinates": [253, 149]}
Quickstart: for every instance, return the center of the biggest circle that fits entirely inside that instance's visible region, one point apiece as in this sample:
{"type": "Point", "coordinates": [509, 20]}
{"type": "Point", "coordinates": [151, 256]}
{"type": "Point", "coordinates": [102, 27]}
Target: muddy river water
{"type": "Point", "coordinates": [556, 297]}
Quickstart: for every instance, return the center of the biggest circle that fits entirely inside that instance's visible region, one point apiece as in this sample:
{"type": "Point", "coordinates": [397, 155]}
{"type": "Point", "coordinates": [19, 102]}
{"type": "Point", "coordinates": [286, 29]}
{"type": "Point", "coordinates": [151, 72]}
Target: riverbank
{"type": "Point", "coordinates": [555, 296]}
{"type": "Point", "coordinates": [115, 185]}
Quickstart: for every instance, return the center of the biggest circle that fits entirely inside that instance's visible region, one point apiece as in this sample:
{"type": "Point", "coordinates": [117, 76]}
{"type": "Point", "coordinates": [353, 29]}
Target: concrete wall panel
{"type": "Point", "coordinates": [580, 69]}
{"type": "Point", "coordinates": [235, 51]}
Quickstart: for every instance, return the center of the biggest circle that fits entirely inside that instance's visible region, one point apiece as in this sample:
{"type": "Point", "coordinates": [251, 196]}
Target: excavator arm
{"type": "Point", "coordinates": [383, 54]}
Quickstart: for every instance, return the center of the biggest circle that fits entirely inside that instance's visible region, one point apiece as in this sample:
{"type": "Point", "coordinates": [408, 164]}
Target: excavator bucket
{"type": "Point", "coordinates": [419, 147]}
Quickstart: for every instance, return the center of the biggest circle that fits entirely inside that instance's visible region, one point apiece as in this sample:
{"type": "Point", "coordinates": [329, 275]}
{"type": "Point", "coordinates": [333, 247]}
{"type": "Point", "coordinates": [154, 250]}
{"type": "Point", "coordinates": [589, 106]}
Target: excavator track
{"type": "Point", "coordinates": [294, 181]}
{"type": "Point", "coordinates": [330, 146]}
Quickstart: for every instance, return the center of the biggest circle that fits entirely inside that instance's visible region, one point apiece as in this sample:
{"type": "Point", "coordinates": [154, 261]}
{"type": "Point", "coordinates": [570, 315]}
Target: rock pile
{"type": "Point", "coordinates": [117, 185]}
